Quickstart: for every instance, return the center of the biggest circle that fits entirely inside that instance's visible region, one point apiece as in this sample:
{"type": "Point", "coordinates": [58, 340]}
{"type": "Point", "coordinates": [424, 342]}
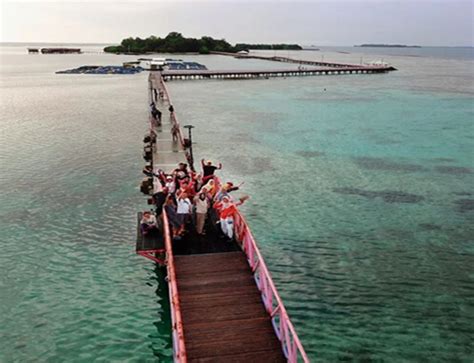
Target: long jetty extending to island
{"type": "Point", "coordinates": [292, 60]}
{"type": "Point", "coordinates": [316, 68]}
{"type": "Point", "coordinates": [223, 301]}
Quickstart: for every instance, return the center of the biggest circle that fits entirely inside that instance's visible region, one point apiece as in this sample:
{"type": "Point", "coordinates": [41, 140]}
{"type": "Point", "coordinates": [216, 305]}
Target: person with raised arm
{"type": "Point", "coordinates": [208, 170]}
{"type": "Point", "coordinates": [226, 189]}
{"type": "Point", "coordinates": [226, 210]}
{"type": "Point", "coordinates": [211, 188]}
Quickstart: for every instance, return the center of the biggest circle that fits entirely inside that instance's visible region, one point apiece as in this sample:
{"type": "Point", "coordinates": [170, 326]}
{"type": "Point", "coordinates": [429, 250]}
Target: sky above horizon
{"type": "Point", "coordinates": [337, 22]}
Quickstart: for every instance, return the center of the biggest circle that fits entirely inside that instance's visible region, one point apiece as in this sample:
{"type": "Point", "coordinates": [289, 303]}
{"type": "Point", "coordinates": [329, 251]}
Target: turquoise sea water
{"type": "Point", "coordinates": [362, 198]}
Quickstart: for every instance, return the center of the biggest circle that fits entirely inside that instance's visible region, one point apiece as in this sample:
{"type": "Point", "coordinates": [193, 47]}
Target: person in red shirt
{"type": "Point", "coordinates": [226, 209]}
{"type": "Point", "coordinates": [187, 186]}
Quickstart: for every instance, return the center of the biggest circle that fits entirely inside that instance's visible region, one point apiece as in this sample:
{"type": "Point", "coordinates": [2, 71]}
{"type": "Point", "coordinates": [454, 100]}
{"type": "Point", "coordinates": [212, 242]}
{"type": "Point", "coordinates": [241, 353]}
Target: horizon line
{"type": "Point", "coordinates": [305, 45]}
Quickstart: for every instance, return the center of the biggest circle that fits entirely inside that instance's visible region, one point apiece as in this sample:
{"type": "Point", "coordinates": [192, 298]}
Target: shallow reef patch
{"type": "Point", "coordinates": [371, 163]}
{"type": "Point", "coordinates": [464, 205]}
{"type": "Point", "coordinates": [444, 160]}
{"type": "Point", "coordinates": [310, 154]}
{"type": "Point", "coordinates": [430, 227]}
{"type": "Point", "coordinates": [455, 170]}
{"type": "Point", "coordinates": [389, 196]}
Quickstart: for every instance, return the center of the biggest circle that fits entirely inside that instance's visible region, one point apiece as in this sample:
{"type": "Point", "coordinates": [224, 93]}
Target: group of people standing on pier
{"type": "Point", "coordinates": [190, 199]}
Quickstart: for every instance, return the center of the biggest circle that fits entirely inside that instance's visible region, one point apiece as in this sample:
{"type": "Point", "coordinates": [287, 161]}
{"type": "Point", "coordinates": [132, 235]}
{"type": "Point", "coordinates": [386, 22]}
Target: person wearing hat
{"type": "Point", "coordinates": [226, 209]}
{"type": "Point", "coordinates": [170, 184]}
{"type": "Point", "coordinates": [181, 174]}
{"type": "Point", "coordinates": [226, 189]}
{"type": "Point", "coordinates": [210, 186]}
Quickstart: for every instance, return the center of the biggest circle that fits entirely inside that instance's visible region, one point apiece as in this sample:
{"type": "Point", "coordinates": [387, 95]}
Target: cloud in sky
{"type": "Point", "coordinates": [349, 22]}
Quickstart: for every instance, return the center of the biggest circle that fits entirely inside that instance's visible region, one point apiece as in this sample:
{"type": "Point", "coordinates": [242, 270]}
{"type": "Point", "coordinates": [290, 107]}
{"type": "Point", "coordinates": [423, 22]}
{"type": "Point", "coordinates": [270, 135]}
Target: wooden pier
{"type": "Point", "coordinates": [252, 74]}
{"type": "Point", "coordinates": [288, 60]}
{"type": "Point", "coordinates": [300, 61]}
{"type": "Point", "coordinates": [224, 318]}
{"type": "Point", "coordinates": [224, 304]}
{"type": "Point", "coordinates": [317, 68]}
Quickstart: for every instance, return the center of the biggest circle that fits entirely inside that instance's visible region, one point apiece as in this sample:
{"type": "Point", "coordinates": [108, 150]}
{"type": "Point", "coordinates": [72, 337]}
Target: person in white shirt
{"type": "Point", "coordinates": [184, 210]}
{"type": "Point", "coordinates": [148, 223]}
{"type": "Point", "coordinates": [170, 184]}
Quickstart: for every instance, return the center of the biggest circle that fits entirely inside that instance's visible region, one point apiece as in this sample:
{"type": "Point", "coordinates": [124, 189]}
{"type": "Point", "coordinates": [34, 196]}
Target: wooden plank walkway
{"type": "Point", "coordinates": [223, 315]}
{"type": "Point", "coordinates": [166, 152]}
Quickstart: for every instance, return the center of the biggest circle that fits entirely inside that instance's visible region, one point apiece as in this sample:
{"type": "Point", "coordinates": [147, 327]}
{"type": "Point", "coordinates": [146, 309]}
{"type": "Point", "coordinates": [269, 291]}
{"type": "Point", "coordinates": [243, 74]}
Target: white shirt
{"type": "Point", "coordinates": [201, 205]}
{"type": "Point", "coordinates": [171, 186]}
{"type": "Point", "coordinates": [184, 206]}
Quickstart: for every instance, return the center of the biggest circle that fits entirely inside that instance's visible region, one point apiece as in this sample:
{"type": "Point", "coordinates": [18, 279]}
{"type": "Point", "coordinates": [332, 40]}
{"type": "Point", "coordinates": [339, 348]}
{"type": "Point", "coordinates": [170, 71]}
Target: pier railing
{"type": "Point", "coordinates": [179, 349]}
{"type": "Point", "coordinates": [290, 343]}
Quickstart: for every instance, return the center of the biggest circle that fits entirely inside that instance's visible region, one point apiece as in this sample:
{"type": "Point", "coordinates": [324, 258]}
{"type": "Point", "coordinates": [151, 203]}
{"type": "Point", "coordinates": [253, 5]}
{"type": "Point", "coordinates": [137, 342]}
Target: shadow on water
{"type": "Point", "coordinates": [164, 353]}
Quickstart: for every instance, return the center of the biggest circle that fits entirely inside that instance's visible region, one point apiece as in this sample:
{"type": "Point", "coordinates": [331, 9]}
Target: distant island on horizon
{"type": "Point", "coordinates": [174, 42]}
{"type": "Point", "coordinates": [387, 46]}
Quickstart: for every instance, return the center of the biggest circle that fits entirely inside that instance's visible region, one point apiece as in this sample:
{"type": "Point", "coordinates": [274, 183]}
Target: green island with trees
{"type": "Point", "coordinates": [175, 43]}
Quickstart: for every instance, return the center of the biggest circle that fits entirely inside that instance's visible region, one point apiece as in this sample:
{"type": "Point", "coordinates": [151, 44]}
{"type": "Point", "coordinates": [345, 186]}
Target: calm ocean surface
{"type": "Point", "coordinates": [362, 200]}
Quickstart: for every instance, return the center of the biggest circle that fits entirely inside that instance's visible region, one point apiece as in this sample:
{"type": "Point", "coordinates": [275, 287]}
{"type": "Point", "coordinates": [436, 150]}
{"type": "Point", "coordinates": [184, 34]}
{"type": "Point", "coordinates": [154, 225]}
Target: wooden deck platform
{"type": "Point", "coordinates": [223, 315]}
{"type": "Point", "coordinates": [148, 243]}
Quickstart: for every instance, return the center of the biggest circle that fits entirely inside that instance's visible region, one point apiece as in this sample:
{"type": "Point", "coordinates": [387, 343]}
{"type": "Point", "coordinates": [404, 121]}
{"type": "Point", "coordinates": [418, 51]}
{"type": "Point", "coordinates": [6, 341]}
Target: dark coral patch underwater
{"type": "Point", "coordinates": [386, 164]}
{"type": "Point", "coordinates": [465, 205]}
{"type": "Point", "coordinates": [456, 170]}
{"type": "Point", "coordinates": [389, 196]}
{"type": "Point", "coordinates": [310, 154]}
{"type": "Point", "coordinates": [430, 227]}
